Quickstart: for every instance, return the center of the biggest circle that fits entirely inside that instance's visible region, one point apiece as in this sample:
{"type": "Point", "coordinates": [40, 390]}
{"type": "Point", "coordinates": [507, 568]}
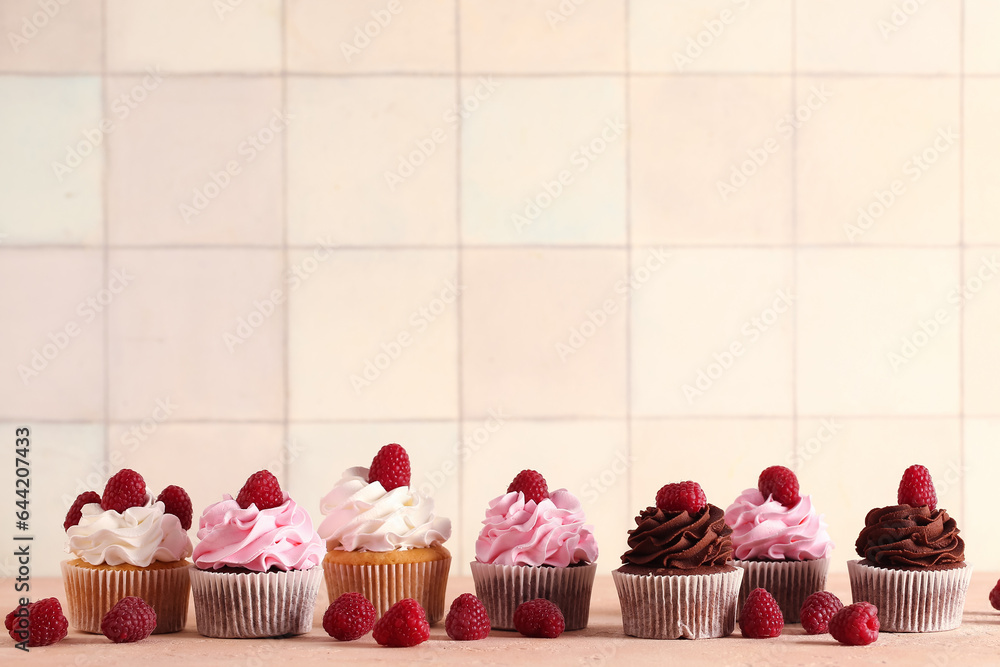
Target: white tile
{"type": "Point", "coordinates": [200, 328]}
{"type": "Point", "coordinates": [50, 36]}
{"type": "Point", "coordinates": [877, 332]}
{"type": "Point", "coordinates": [982, 457]}
{"type": "Point", "coordinates": [981, 171]}
{"type": "Point", "coordinates": [982, 56]}
{"type": "Point", "coordinates": [711, 36]}
{"type": "Point", "coordinates": [543, 332]}
{"type": "Point", "coordinates": [373, 335]}
{"type": "Point", "coordinates": [347, 135]}
{"type": "Point", "coordinates": [543, 161]}
{"type": "Point", "coordinates": [977, 300]}
{"type": "Point", "coordinates": [370, 36]}
{"type": "Point", "coordinates": [194, 36]}
{"type": "Point", "coordinates": [50, 177]}
{"type": "Point", "coordinates": [711, 159]}
{"type": "Point", "coordinates": [712, 334]}
{"type": "Point", "coordinates": [55, 332]}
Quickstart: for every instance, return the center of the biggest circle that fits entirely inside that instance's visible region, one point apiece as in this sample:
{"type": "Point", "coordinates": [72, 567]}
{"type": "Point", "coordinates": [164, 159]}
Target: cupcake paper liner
{"type": "Point", "coordinates": [790, 582]}
{"type": "Point", "coordinates": [255, 604]}
{"type": "Point", "coordinates": [912, 600]}
{"type": "Point", "coordinates": [385, 585]}
{"type": "Point", "coordinates": [501, 588]}
{"type": "Point", "coordinates": [91, 593]}
{"type": "Point", "coordinates": [699, 606]}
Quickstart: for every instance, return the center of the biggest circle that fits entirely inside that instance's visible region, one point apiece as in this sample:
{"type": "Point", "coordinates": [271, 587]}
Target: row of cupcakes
{"type": "Point", "coordinates": [689, 566]}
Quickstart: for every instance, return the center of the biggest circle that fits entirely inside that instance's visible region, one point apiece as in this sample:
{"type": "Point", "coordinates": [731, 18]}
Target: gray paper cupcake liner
{"type": "Point", "coordinates": [502, 588]}
{"type": "Point", "coordinates": [789, 581]}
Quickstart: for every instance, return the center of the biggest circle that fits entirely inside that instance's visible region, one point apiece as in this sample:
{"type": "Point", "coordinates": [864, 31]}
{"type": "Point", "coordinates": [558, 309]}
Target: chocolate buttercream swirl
{"type": "Point", "coordinates": [679, 540]}
{"type": "Point", "coordinates": [902, 536]}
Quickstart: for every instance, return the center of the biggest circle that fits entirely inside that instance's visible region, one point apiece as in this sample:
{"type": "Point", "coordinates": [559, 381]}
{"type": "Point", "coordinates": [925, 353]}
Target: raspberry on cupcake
{"type": "Point", "coordinates": [780, 541]}
{"type": "Point", "coordinates": [535, 544]}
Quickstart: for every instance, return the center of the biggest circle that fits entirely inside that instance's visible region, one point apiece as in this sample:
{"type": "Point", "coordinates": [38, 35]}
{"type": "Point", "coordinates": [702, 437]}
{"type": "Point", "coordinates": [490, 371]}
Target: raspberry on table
{"type": "Point", "coordinates": [130, 620]}
{"type": "Point", "coordinates": [916, 488]}
{"type": "Point", "coordinates": [176, 501]}
{"type": "Point", "coordinates": [75, 512]}
{"type": "Point", "coordinates": [125, 489]}
{"type": "Point", "coordinates": [467, 619]}
{"type": "Point", "coordinates": [349, 617]}
{"type": "Point", "coordinates": [681, 497]}
{"type": "Point", "coordinates": [761, 617]}
{"type": "Point", "coordinates": [995, 596]}
{"type": "Point", "coordinates": [781, 484]}
{"type": "Point", "coordinates": [261, 489]}
{"type": "Point", "coordinates": [531, 484]}
{"type": "Point", "coordinates": [539, 618]}
{"type": "Point", "coordinates": [855, 625]}
{"type": "Point", "coordinates": [46, 623]}
{"type": "Point", "coordinates": [390, 467]}
{"type": "Point", "coordinates": [817, 610]}
{"type": "Point", "coordinates": [405, 624]}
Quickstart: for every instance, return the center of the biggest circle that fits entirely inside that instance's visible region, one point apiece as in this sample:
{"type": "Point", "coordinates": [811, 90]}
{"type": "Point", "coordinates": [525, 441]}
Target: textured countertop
{"type": "Point", "coordinates": [977, 642]}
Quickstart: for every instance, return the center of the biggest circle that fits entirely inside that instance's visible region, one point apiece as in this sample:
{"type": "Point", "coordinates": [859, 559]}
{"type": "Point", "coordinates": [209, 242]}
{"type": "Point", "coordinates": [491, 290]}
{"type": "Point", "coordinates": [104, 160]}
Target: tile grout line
{"type": "Point", "coordinates": [105, 248]}
{"type": "Point", "coordinates": [961, 256]}
{"type": "Point", "coordinates": [42, 247]}
{"type": "Point", "coordinates": [796, 464]}
{"type": "Point", "coordinates": [284, 455]}
{"type": "Point", "coordinates": [459, 263]}
{"type": "Point", "coordinates": [630, 477]}
{"type": "Point", "coordinates": [512, 75]}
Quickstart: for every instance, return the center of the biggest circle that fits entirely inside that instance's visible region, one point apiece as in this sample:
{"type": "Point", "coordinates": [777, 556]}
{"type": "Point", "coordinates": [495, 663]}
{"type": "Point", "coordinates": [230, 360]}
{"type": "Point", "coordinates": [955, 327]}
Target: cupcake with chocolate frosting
{"type": "Point", "coordinates": [677, 578]}
{"type": "Point", "coordinates": [912, 563]}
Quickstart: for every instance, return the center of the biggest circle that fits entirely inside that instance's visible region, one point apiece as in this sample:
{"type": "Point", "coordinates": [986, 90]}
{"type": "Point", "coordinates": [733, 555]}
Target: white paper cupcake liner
{"type": "Point", "coordinates": [912, 600]}
{"type": "Point", "coordinates": [255, 604]}
{"type": "Point", "coordinates": [790, 582]}
{"type": "Point", "coordinates": [502, 588]}
{"type": "Point", "coordinates": [92, 592]}
{"type": "Point", "coordinates": [385, 585]}
{"type": "Point", "coordinates": [699, 606]}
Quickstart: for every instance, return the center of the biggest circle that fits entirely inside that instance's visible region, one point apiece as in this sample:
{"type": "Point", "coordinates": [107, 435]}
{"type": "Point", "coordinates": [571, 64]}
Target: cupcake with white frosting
{"type": "Point", "coordinates": [125, 543]}
{"type": "Point", "coordinates": [383, 538]}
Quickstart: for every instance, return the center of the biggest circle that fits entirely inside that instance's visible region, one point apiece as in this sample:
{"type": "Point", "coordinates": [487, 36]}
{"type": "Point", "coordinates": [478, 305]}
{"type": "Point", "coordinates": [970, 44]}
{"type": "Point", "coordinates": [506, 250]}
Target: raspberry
{"type": "Point", "coordinates": [349, 617]}
{"type": "Point", "coordinates": [531, 484]}
{"type": "Point", "coordinates": [261, 489]}
{"type": "Point", "coordinates": [391, 467]}
{"type": "Point", "coordinates": [761, 616]}
{"type": "Point", "coordinates": [130, 620]}
{"type": "Point", "coordinates": [75, 512]}
{"type": "Point", "coordinates": [539, 618]}
{"type": "Point", "coordinates": [916, 488]}
{"type": "Point", "coordinates": [681, 497]}
{"type": "Point", "coordinates": [467, 619]}
{"type": "Point", "coordinates": [995, 596]}
{"type": "Point", "coordinates": [405, 624]}
{"type": "Point", "coordinates": [856, 625]}
{"type": "Point", "coordinates": [817, 610]}
{"type": "Point", "coordinates": [46, 623]}
{"type": "Point", "coordinates": [125, 489]}
{"type": "Point", "coordinates": [176, 501]}
{"type": "Point", "coordinates": [781, 484]}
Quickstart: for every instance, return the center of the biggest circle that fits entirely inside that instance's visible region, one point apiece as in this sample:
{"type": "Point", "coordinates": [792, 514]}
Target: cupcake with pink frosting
{"type": "Point", "coordinates": [535, 544]}
{"type": "Point", "coordinates": [780, 541]}
{"type": "Point", "coordinates": [256, 568]}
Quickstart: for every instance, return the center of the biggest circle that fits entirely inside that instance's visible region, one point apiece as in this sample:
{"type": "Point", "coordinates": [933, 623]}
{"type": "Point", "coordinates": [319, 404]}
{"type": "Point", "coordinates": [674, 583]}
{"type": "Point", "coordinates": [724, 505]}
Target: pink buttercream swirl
{"type": "Point", "coordinates": [281, 537]}
{"type": "Point", "coordinates": [764, 529]}
{"type": "Point", "coordinates": [552, 532]}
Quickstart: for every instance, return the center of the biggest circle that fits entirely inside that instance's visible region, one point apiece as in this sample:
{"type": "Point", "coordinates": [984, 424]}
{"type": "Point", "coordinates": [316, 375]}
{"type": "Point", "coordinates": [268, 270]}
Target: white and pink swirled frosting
{"type": "Point", "coordinates": [280, 537]}
{"type": "Point", "coordinates": [764, 529]}
{"type": "Point", "coordinates": [552, 532]}
{"type": "Point", "coordinates": [138, 536]}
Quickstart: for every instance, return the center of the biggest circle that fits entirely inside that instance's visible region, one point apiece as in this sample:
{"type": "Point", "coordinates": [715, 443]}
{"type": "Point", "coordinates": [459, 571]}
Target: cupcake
{"type": "Point", "coordinates": [124, 543]}
{"type": "Point", "coordinates": [383, 539]}
{"type": "Point", "coordinates": [677, 578]}
{"type": "Point", "coordinates": [912, 563]}
{"type": "Point", "coordinates": [780, 541]}
{"type": "Point", "coordinates": [535, 544]}
{"type": "Point", "coordinates": [255, 572]}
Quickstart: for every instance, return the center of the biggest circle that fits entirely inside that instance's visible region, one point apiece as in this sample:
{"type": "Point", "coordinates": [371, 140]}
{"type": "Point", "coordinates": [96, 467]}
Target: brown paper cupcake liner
{"type": "Point", "coordinates": [912, 600]}
{"type": "Point", "coordinates": [790, 582]}
{"type": "Point", "coordinates": [385, 585]}
{"type": "Point", "coordinates": [254, 604]}
{"type": "Point", "coordinates": [700, 606]}
{"type": "Point", "coordinates": [502, 588]}
{"type": "Point", "coordinates": [92, 592]}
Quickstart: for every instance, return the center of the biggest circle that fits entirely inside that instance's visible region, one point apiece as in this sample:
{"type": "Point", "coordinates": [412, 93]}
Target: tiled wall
{"type": "Point", "coordinates": [506, 235]}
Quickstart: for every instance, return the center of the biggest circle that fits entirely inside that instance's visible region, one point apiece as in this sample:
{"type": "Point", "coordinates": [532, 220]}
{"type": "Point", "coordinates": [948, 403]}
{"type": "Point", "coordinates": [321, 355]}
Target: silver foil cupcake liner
{"type": "Point", "coordinates": [789, 581]}
{"type": "Point", "coordinates": [502, 588]}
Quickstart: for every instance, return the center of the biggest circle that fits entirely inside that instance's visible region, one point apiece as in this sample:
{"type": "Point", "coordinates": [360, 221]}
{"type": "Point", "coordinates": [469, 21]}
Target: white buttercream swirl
{"type": "Point", "coordinates": [138, 536]}
{"type": "Point", "coordinates": [365, 517]}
